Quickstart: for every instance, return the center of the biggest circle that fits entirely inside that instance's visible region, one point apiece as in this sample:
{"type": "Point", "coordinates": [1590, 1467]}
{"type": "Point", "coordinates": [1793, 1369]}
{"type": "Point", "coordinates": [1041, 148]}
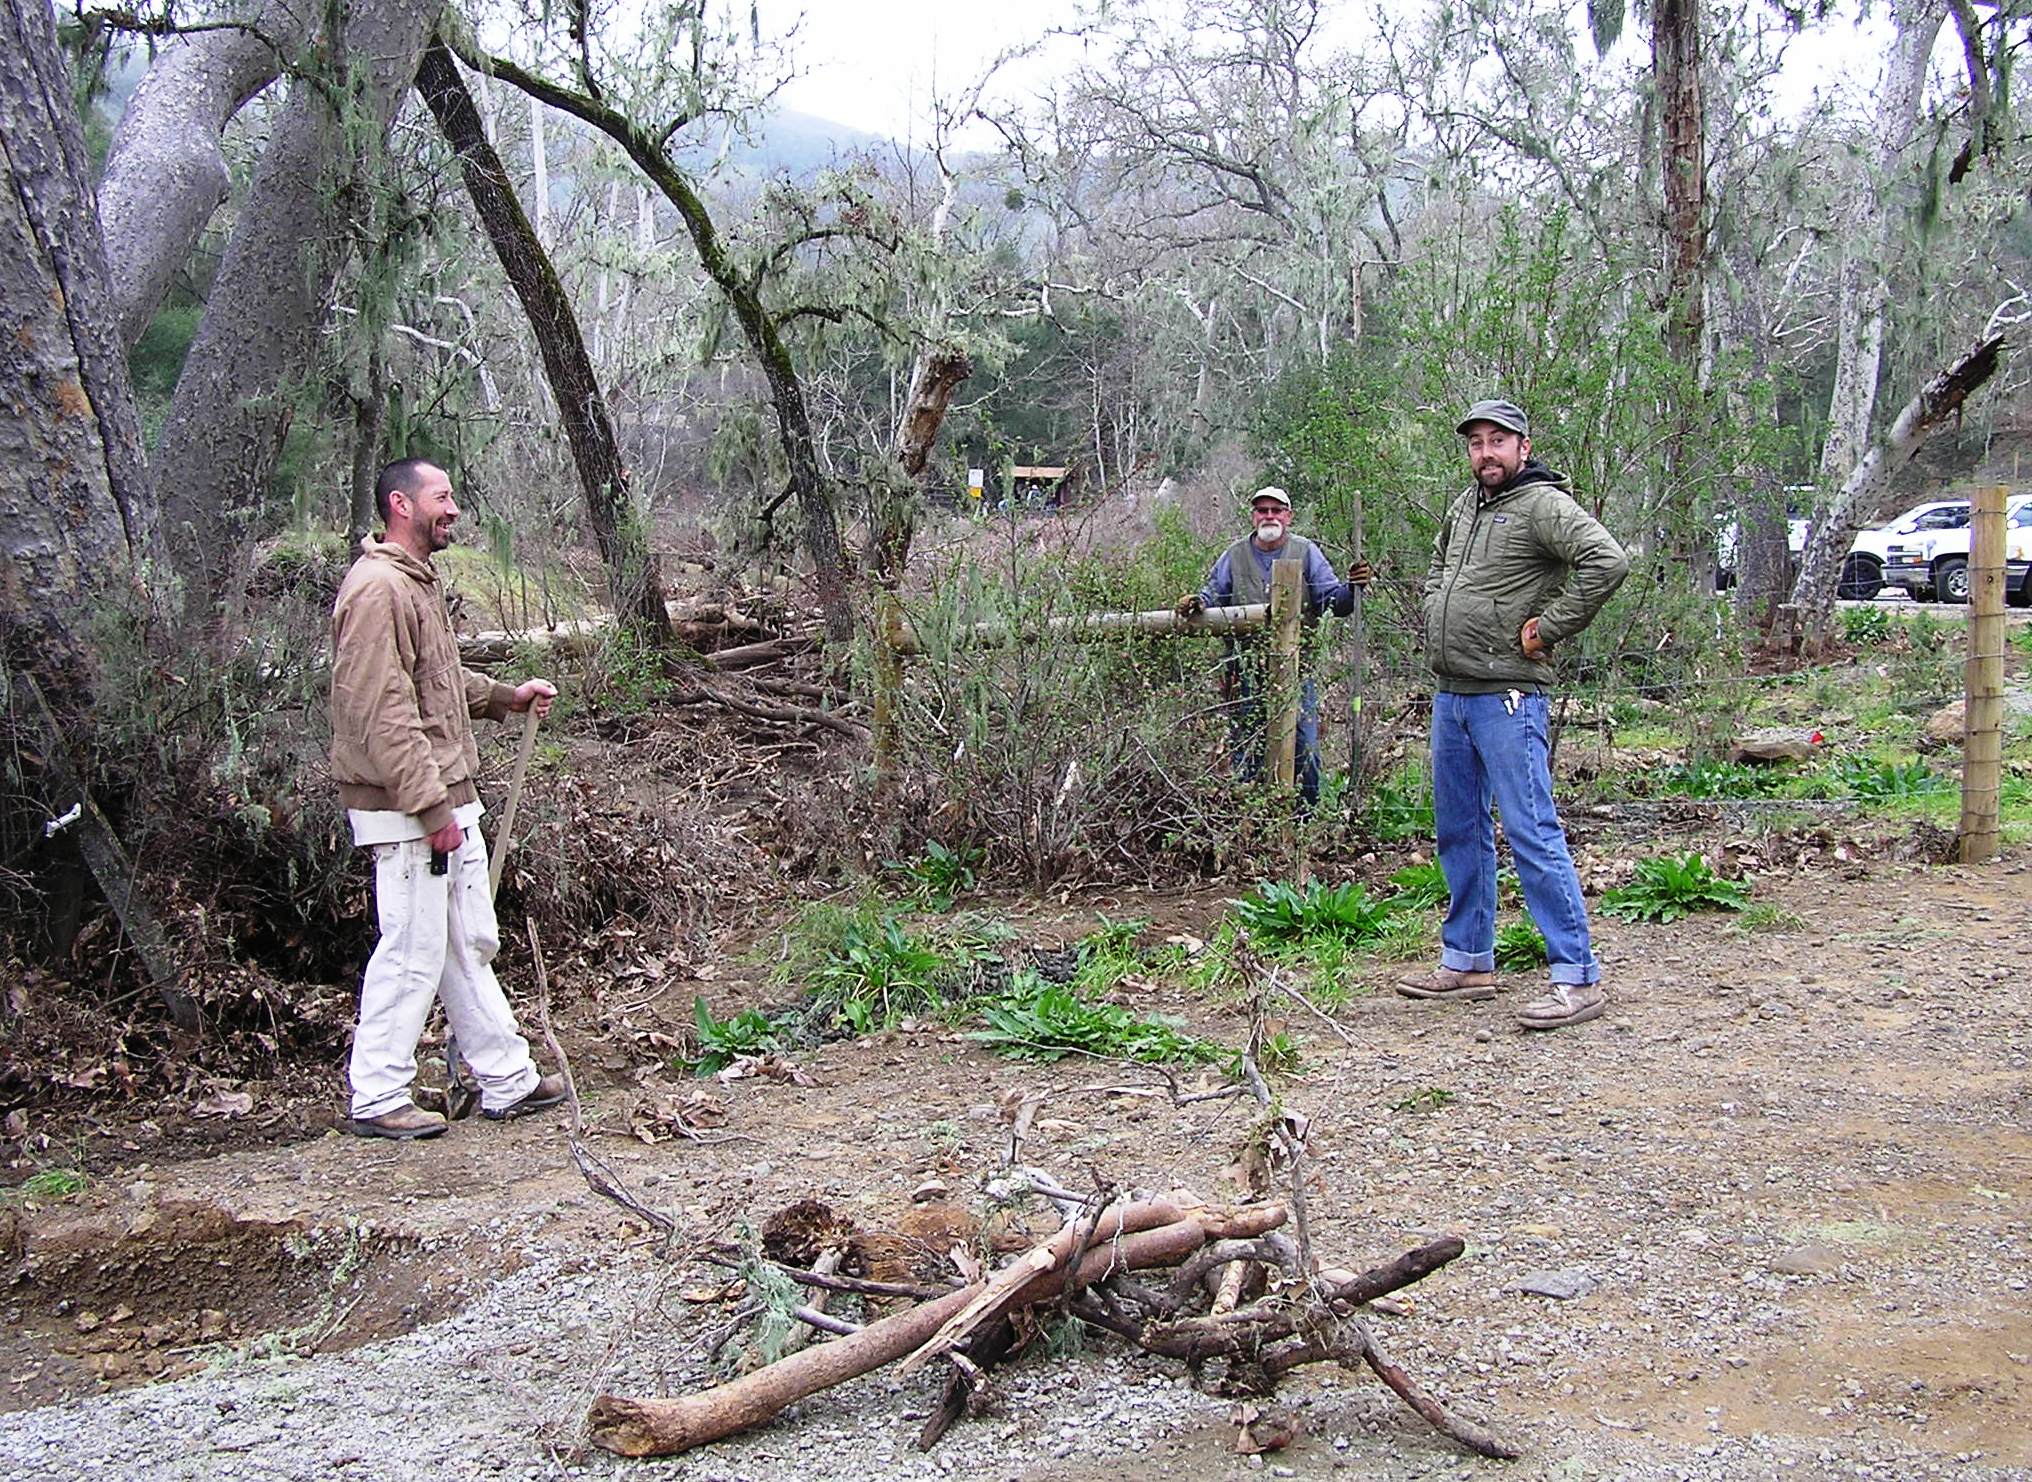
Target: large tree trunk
{"type": "Point", "coordinates": [617, 527]}
{"type": "Point", "coordinates": [1938, 401]}
{"type": "Point", "coordinates": [1682, 157]}
{"type": "Point", "coordinates": [233, 401]}
{"type": "Point", "coordinates": [76, 506]}
{"type": "Point", "coordinates": [75, 509]}
{"type": "Point", "coordinates": [166, 174]}
{"type": "Point", "coordinates": [1868, 238]}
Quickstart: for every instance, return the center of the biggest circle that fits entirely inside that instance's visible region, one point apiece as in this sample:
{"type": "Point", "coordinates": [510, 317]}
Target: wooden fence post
{"type": "Point", "coordinates": [1287, 605]}
{"type": "Point", "coordinates": [888, 691]}
{"type": "Point", "coordinates": [1982, 749]}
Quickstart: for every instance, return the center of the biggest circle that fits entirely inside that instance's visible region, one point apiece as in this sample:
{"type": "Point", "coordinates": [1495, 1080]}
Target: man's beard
{"type": "Point", "coordinates": [1270, 533]}
{"type": "Point", "coordinates": [1494, 474]}
{"type": "Point", "coordinates": [440, 535]}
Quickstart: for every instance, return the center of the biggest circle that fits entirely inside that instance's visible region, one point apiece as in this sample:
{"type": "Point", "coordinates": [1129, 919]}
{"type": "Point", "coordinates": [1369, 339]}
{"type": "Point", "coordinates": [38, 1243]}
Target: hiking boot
{"type": "Point", "coordinates": [410, 1123]}
{"type": "Point", "coordinates": [550, 1090]}
{"type": "Point", "coordinates": [1450, 983]}
{"type": "Point", "coordinates": [1564, 1004]}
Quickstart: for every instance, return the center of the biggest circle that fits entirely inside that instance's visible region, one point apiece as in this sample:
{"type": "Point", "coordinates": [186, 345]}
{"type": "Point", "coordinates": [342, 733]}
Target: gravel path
{"type": "Point", "coordinates": [1786, 1184]}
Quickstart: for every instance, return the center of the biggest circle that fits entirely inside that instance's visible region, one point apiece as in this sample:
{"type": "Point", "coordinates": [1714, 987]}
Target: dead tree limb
{"type": "Point", "coordinates": [1470, 1435]}
{"type": "Point", "coordinates": [665, 1427]}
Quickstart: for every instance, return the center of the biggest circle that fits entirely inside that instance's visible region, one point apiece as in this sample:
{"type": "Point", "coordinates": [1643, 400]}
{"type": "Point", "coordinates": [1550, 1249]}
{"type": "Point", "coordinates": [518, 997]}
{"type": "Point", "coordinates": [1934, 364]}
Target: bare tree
{"type": "Point", "coordinates": [610, 507]}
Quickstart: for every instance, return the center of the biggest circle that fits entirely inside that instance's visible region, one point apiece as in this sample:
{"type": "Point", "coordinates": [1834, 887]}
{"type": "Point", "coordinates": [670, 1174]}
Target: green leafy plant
{"type": "Point", "coordinates": [1277, 911]}
{"type": "Point", "coordinates": [1107, 955]}
{"type": "Point", "coordinates": [1713, 779]}
{"type": "Point", "coordinates": [1871, 780]}
{"type": "Point", "coordinates": [51, 1184]}
{"type": "Point", "coordinates": [1866, 627]}
{"type": "Point", "coordinates": [1672, 886]}
{"type": "Point", "coordinates": [1426, 1098]}
{"type": "Point", "coordinates": [1400, 806]}
{"type": "Point", "coordinates": [1520, 946]}
{"type": "Point", "coordinates": [1037, 1020]}
{"type": "Point", "coordinates": [723, 1041]}
{"type": "Point", "coordinates": [940, 875]}
{"type": "Point", "coordinates": [1278, 1054]}
{"type": "Point", "coordinates": [1420, 886]}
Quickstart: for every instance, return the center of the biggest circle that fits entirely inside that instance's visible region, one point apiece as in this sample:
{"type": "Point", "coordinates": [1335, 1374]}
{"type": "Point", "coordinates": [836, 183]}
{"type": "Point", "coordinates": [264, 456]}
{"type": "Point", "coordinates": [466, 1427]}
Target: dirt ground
{"type": "Point", "coordinates": [1790, 1173]}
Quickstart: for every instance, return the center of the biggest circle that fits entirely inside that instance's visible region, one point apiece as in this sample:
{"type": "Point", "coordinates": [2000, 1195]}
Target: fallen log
{"type": "Point", "coordinates": [665, 1427]}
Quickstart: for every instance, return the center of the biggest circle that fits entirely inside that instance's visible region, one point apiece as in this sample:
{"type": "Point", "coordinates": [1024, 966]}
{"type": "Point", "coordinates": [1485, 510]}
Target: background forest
{"type": "Point", "coordinates": [722, 371]}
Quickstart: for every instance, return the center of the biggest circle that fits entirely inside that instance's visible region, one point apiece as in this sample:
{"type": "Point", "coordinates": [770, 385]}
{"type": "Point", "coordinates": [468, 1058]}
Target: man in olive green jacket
{"type": "Point", "coordinates": [404, 758]}
{"type": "Point", "coordinates": [1518, 567]}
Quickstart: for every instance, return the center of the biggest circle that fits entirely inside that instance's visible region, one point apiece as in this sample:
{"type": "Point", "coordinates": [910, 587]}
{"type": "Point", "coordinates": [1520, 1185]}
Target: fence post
{"type": "Point", "coordinates": [1287, 605]}
{"type": "Point", "coordinates": [888, 685]}
{"type": "Point", "coordinates": [1982, 748]}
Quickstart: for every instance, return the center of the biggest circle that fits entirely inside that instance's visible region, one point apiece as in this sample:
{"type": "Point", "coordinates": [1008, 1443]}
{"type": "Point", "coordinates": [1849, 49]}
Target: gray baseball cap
{"type": "Point", "coordinates": [1506, 414]}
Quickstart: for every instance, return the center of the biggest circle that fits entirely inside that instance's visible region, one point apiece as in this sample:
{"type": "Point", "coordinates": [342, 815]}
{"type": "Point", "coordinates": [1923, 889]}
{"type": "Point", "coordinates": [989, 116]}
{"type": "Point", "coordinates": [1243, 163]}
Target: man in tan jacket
{"type": "Point", "coordinates": [404, 757]}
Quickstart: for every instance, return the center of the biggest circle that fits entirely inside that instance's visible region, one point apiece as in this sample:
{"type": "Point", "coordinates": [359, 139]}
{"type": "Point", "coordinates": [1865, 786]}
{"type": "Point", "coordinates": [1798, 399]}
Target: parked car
{"type": "Point", "coordinates": [1935, 563]}
{"type": "Point", "coordinates": [1862, 574]}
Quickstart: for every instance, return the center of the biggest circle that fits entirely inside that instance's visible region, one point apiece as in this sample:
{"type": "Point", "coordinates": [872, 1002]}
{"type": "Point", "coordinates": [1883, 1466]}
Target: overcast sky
{"type": "Point", "coordinates": [874, 64]}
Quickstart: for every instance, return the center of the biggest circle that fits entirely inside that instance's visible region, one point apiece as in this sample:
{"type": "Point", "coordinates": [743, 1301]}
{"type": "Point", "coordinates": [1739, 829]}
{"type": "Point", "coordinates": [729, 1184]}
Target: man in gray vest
{"type": "Point", "coordinates": [1241, 577]}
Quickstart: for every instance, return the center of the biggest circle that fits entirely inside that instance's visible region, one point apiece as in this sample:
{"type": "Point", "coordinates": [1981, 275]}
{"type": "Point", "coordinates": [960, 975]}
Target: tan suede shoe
{"type": "Point", "coordinates": [1449, 983]}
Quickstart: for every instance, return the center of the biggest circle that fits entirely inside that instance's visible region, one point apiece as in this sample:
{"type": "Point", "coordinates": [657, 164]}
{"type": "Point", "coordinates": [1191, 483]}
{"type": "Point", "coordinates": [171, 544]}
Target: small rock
{"type": "Point", "coordinates": [1562, 1286]}
{"type": "Point", "coordinates": [930, 1189]}
{"type": "Point", "coordinates": [1807, 1260]}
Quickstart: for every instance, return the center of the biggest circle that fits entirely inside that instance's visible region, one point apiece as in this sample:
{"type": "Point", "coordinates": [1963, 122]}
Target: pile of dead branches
{"type": "Point", "coordinates": [1239, 1288]}
{"type": "Point", "coordinates": [1185, 1280]}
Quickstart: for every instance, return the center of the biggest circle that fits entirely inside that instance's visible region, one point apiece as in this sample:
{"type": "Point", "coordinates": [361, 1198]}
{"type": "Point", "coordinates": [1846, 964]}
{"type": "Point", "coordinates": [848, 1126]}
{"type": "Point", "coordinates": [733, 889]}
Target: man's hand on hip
{"type": "Point", "coordinates": [447, 839]}
{"type": "Point", "coordinates": [1533, 646]}
{"type": "Point", "coordinates": [534, 692]}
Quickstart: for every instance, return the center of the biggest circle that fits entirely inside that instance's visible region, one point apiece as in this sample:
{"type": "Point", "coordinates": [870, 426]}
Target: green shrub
{"type": "Point", "coordinates": [1037, 1020]}
{"type": "Point", "coordinates": [1277, 912]}
{"type": "Point", "coordinates": [1712, 779]}
{"type": "Point", "coordinates": [1400, 806]}
{"type": "Point", "coordinates": [723, 1041]}
{"type": "Point", "coordinates": [861, 965]}
{"type": "Point", "coordinates": [1866, 627]}
{"type": "Point", "coordinates": [1673, 886]}
{"type": "Point", "coordinates": [1872, 780]}
{"type": "Point", "coordinates": [1520, 946]}
{"type": "Point", "coordinates": [940, 875]}
{"type": "Point", "coordinates": [1420, 887]}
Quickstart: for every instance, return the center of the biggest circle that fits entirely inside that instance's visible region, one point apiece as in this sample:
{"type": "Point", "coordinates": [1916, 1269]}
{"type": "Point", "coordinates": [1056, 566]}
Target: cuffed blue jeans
{"type": "Point", "coordinates": [1492, 749]}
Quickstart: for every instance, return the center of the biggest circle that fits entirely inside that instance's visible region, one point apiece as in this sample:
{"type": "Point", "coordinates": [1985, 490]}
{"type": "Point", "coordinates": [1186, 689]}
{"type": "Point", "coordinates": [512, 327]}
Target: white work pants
{"type": "Point", "coordinates": [438, 939]}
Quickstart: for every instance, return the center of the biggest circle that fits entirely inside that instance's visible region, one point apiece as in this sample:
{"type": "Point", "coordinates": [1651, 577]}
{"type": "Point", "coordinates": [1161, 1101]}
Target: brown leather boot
{"type": "Point", "coordinates": [1449, 983]}
{"type": "Point", "coordinates": [409, 1123]}
{"type": "Point", "coordinates": [549, 1091]}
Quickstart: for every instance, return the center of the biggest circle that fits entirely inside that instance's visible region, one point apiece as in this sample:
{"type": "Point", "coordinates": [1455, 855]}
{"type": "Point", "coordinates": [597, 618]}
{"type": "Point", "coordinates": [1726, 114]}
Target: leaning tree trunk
{"type": "Point", "coordinates": [743, 294]}
{"type": "Point", "coordinates": [76, 512]}
{"type": "Point", "coordinates": [1937, 402]}
{"type": "Point", "coordinates": [257, 341]}
{"type": "Point", "coordinates": [166, 174]}
{"type": "Point", "coordinates": [617, 527]}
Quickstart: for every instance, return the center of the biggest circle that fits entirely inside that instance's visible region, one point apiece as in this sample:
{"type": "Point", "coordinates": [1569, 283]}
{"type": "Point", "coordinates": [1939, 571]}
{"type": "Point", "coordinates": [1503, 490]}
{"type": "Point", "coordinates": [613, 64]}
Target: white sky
{"type": "Point", "coordinates": [874, 64]}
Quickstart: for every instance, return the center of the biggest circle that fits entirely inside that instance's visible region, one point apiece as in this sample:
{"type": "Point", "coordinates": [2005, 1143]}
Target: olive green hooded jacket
{"type": "Point", "coordinates": [1504, 556]}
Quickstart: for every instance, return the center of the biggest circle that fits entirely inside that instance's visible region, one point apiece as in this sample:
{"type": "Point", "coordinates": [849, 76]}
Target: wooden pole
{"type": "Point", "coordinates": [1287, 605]}
{"type": "Point", "coordinates": [502, 839]}
{"type": "Point", "coordinates": [1358, 663]}
{"type": "Point", "coordinates": [1163, 623]}
{"type": "Point", "coordinates": [890, 632]}
{"type": "Point", "coordinates": [1983, 679]}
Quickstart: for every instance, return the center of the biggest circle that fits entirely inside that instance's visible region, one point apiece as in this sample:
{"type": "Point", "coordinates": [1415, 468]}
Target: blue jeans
{"type": "Point", "coordinates": [1246, 737]}
{"type": "Point", "coordinates": [1487, 748]}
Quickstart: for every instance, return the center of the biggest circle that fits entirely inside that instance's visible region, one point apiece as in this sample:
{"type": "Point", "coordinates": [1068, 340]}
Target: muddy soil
{"type": "Point", "coordinates": [1789, 1177]}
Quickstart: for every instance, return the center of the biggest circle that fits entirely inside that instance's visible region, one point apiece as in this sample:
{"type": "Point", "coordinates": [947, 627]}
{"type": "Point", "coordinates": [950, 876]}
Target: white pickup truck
{"type": "Point", "coordinates": [1934, 562]}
